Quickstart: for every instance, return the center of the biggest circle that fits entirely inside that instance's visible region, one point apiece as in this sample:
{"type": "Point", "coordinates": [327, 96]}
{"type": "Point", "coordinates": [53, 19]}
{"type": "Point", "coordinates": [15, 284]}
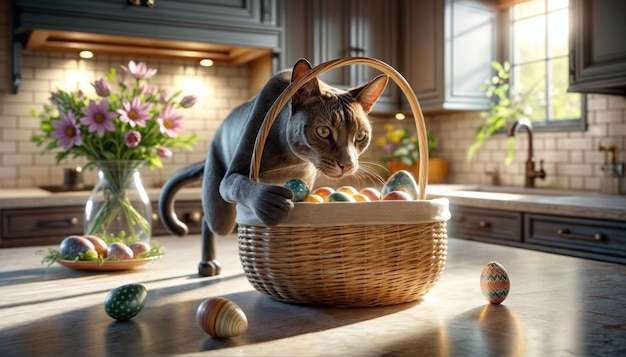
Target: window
{"type": "Point", "coordinates": [539, 48]}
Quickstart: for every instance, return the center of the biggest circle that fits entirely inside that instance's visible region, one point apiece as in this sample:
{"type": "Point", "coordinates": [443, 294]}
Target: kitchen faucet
{"type": "Point", "coordinates": [530, 174]}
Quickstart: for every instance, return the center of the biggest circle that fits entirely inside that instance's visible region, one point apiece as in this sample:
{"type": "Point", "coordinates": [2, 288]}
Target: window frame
{"type": "Point", "coordinates": [505, 53]}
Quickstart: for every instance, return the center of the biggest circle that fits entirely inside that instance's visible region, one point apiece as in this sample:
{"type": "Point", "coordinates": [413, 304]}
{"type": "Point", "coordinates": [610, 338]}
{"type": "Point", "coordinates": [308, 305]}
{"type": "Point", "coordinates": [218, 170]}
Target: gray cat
{"type": "Point", "coordinates": [321, 130]}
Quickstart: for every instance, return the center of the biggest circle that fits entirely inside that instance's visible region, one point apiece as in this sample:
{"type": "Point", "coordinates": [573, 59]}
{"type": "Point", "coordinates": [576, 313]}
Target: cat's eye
{"type": "Point", "coordinates": [360, 135]}
{"type": "Point", "coordinates": [323, 131]}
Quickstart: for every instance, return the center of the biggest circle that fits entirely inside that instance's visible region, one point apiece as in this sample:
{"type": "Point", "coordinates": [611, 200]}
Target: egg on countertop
{"type": "Point", "coordinates": [126, 301]}
{"type": "Point", "coordinates": [220, 317]}
{"type": "Point", "coordinates": [401, 180]}
{"type": "Point", "coordinates": [494, 283]}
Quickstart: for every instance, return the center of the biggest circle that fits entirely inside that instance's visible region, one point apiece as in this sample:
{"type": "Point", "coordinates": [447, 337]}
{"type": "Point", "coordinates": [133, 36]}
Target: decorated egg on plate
{"type": "Point", "coordinates": [73, 246]}
{"type": "Point", "coordinates": [125, 302]}
{"type": "Point", "coordinates": [220, 317]}
{"type": "Point", "coordinates": [401, 180]}
{"type": "Point", "coordinates": [139, 247]}
{"type": "Point", "coordinates": [313, 198]}
{"type": "Point", "coordinates": [98, 243]}
{"type": "Point", "coordinates": [299, 188]}
{"type": "Point", "coordinates": [494, 283]}
{"type": "Point", "coordinates": [119, 251]}
{"type": "Point", "coordinates": [348, 189]}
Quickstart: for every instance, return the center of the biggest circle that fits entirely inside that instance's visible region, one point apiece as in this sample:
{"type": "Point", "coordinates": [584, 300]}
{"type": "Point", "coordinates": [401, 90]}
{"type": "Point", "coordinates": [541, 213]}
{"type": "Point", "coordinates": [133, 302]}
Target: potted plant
{"type": "Point", "coordinates": [506, 107]}
{"type": "Point", "coordinates": [401, 152]}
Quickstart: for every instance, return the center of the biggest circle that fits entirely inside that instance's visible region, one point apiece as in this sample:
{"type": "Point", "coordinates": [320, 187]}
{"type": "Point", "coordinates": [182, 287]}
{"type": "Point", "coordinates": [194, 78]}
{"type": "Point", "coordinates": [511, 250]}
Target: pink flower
{"type": "Point", "coordinates": [134, 112]}
{"type": "Point", "coordinates": [98, 117]}
{"type": "Point", "coordinates": [132, 138]}
{"type": "Point", "coordinates": [67, 131]}
{"type": "Point", "coordinates": [102, 87]}
{"type": "Point", "coordinates": [139, 70]}
{"type": "Point", "coordinates": [188, 101]}
{"type": "Point", "coordinates": [164, 152]}
{"type": "Point", "coordinates": [170, 122]}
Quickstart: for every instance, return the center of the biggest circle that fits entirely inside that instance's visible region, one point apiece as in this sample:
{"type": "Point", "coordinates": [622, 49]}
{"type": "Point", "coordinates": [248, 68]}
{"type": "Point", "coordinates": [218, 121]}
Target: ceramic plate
{"type": "Point", "coordinates": [112, 265]}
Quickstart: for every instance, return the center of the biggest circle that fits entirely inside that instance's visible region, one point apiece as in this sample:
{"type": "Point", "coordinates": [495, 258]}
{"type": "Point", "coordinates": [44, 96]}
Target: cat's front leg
{"type": "Point", "coordinates": [271, 204]}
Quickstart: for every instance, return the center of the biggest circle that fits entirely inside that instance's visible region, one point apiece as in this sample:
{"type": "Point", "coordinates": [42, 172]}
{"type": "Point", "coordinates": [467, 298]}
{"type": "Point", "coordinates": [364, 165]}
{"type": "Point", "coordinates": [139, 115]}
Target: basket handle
{"type": "Point", "coordinates": [293, 87]}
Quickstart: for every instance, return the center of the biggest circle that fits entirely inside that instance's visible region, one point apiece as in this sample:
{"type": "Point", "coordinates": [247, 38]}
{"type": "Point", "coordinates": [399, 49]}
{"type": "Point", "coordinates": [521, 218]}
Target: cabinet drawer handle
{"type": "Point", "coordinates": [565, 233]}
{"type": "Point", "coordinates": [61, 223]}
{"type": "Point", "coordinates": [483, 225]}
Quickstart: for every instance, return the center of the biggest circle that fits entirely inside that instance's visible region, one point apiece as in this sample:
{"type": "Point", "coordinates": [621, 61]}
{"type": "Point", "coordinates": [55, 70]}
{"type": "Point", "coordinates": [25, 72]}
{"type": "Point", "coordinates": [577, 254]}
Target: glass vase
{"type": "Point", "coordinates": [119, 207]}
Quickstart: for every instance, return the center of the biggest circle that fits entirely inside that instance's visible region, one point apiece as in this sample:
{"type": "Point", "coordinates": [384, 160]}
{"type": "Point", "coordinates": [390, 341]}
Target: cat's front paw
{"type": "Point", "coordinates": [273, 204]}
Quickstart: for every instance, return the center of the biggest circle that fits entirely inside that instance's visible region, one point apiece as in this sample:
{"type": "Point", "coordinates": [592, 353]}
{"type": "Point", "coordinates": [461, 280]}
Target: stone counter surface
{"type": "Point", "coordinates": [545, 201]}
{"type": "Point", "coordinates": [557, 306]}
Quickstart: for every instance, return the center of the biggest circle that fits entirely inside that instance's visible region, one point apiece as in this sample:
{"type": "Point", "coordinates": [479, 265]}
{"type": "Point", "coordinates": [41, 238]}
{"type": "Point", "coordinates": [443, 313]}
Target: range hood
{"type": "Point", "coordinates": [225, 31]}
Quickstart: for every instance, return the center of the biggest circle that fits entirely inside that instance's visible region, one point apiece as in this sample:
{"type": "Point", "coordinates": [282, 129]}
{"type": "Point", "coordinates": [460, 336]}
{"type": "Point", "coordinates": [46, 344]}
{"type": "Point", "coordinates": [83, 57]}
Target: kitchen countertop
{"type": "Point", "coordinates": [558, 306]}
{"type": "Point", "coordinates": [536, 200]}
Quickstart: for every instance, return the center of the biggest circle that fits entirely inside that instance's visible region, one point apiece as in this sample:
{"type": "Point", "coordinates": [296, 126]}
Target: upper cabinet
{"type": "Point", "coordinates": [443, 48]}
{"type": "Point", "coordinates": [447, 50]}
{"type": "Point", "coordinates": [597, 47]}
{"type": "Point", "coordinates": [322, 30]}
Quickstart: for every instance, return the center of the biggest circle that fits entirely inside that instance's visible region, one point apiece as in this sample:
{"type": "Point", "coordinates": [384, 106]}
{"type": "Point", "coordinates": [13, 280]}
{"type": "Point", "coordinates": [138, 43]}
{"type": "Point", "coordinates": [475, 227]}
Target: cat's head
{"type": "Point", "coordinates": [329, 126]}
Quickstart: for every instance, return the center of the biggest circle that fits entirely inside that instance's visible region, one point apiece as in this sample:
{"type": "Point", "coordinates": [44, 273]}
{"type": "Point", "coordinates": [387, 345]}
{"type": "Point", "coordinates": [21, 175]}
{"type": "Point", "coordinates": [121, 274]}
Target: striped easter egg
{"type": "Point", "coordinates": [220, 317]}
{"type": "Point", "coordinates": [494, 283]}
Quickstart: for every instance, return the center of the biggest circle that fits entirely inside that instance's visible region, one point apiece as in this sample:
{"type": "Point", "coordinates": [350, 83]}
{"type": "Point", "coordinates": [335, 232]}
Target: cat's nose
{"type": "Point", "coordinates": [345, 167]}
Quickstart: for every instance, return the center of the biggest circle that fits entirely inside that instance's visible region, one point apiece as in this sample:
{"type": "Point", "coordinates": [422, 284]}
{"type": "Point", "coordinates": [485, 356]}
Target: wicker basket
{"type": "Point", "coordinates": [348, 254]}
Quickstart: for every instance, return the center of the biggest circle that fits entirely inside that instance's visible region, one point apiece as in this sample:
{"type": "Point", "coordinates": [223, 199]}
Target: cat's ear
{"type": "Point", "coordinates": [368, 94]}
{"type": "Point", "coordinates": [309, 89]}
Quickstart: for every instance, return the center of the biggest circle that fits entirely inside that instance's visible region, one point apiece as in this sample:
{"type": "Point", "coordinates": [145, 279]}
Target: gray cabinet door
{"type": "Point", "coordinates": [597, 46]}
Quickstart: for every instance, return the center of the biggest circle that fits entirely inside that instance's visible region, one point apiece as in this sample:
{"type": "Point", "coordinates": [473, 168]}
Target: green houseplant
{"type": "Point", "coordinates": [505, 107]}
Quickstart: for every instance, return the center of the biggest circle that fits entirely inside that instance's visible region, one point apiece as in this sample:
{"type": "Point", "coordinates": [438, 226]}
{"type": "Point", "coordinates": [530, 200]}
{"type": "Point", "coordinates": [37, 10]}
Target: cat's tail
{"type": "Point", "coordinates": [180, 179]}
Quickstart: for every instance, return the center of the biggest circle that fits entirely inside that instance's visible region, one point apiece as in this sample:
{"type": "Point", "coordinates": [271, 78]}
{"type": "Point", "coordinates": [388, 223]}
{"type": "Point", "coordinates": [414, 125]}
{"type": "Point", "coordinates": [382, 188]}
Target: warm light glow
{"type": "Point", "coordinates": [400, 116]}
{"type": "Point", "coordinates": [85, 54]}
{"type": "Point", "coordinates": [206, 62]}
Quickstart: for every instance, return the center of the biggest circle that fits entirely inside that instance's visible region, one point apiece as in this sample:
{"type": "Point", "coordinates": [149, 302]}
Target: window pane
{"type": "Point", "coordinates": [557, 4]}
{"type": "Point", "coordinates": [563, 105]}
{"type": "Point", "coordinates": [529, 8]}
{"type": "Point", "coordinates": [529, 39]}
{"type": "Point", "coordinates": [558, 30]}
{"type": "Point", "coordinates": [530, 82]}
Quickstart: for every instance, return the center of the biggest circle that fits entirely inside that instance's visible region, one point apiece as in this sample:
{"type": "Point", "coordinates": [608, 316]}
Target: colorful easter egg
{"type": "Point", "coordinates": [339, 197]}
{"type": "Point", "coordinates": [359, 197]}
{"type": "Point", "coordinates": [220, 317]}
{"type": "Point", "coordinates": [313, 198]}
{"type": "Point", "coordinates": [323, 191]}
{"type": "Point", "coordinates": [397, 196]}
{"type": "Point", "coordinates": [73, 246]}
{"type": "Point", "coordinates": [371, 192]}
{"type": "Point", "coordinates": [98, 243]}
{"type": "Point", "coordinates": [348, 189]}
{"type": "Point", "coordinates": [494, 283]}
{"type": "Point", "coordinates": [401, 180]}
{"type": "Point", "coordinates": [139, 248]}
{"type": "Point", "coordinates": [119, 251]}
{"type": "Point", "coordinates": [125, 302]}
{"type": "Point", "coordinates": [299, 188]}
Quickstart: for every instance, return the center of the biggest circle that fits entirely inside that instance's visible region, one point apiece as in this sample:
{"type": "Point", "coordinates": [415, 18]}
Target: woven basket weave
{"type": "Point", "coordinates": [348, 254]}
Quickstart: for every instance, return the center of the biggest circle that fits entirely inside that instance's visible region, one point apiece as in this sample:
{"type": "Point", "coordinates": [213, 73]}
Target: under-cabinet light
{"type": "Point", "coordinates": [400, 116]}
{"type": "Point", "coordinates": [85, 54]}
{"type": "Point", "coordinates": [206, 62]}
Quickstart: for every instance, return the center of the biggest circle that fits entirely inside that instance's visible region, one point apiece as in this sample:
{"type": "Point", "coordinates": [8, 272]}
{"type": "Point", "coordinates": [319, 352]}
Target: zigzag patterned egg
{"type": "Point", "coordinates": [494, 283]}
{"type": "Point", "coordinates": [220, 317]}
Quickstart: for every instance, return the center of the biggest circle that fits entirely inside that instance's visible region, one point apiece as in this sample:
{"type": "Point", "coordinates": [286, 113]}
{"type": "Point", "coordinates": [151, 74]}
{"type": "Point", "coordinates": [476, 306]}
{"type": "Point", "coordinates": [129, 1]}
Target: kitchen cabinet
{"type": "Point", "coordinates": [597, 239]}
{"type": "Point", "coordinates": [486, 225]}
{"type": "Point", "coordinates": [587, 238]}
{"type": "Point", "coordinates": [50, 225]}
{"type": "Point", "coordinates": [447, 48]}
{"type": "Point", "coordinates": [597, 49]}
{"type": "Point", "coordinates": [324, 30]}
